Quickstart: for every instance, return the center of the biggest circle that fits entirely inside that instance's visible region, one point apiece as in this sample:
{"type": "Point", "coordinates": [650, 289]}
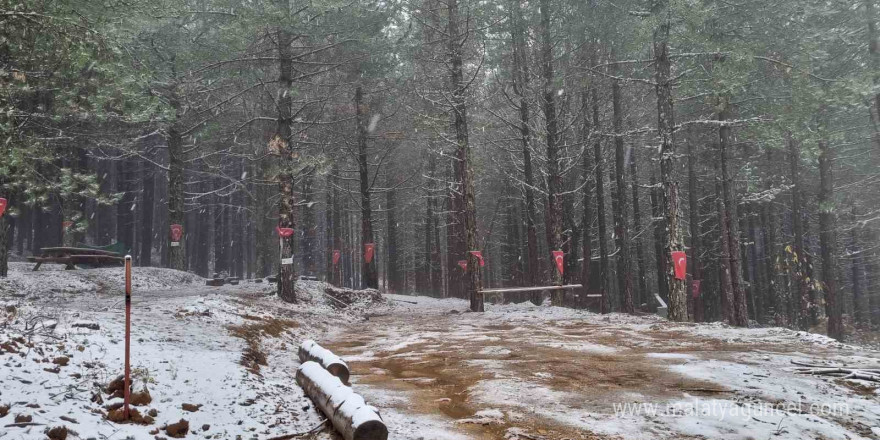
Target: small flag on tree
{"type": "Point", "coordinates": [369, 248]}
{"type": "Point", "coordinates": [559, 258]}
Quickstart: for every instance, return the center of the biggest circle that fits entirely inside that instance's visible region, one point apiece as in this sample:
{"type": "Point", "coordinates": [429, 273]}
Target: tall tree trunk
{"type": "Point", "coordinates": [696, 269]}
{"type": "Point", "coordinates": [463, 155]}
{"type": "Point", "coordinates": [641, 295]}
{"type": "Point", "coordinates": [809, 274]}
{"type": "Point", "coordinates": [371, 276]}
{"type": "Point", "coordinates": [454, 229]}
{"type": "Point", "coordinates": [423, 267]}
{"type": "Point", "coordinates": [740, 304]}
{"type": "Point", "coordinates": [281, 145]}
{"type": "Point", "coordinates": [147, 202]}
{"type": "Point", "coordinates": [771, 251]}
{"type": "Point", "coordinates": [621, 226]}
{"type": "Point", "coordinates": [4, 246]}
{"type": "Point", "coordinates": [728, 307]}
{"type": "Point", "coordinates": [124, 208]}
{"type": "Point", "coordinates": [436, 265]}
{"type": "Point", "coordinates": [554, 177]}
{"type": "Point", "coordinates": [599, 174]}
{"type": "Point", "coordinates": [756, 286]}
{"type": "Point", "coordinates": [874, 52]}
{"type": "Point", "coordinates": [587, 222]}
{"type": "Point", "coordinates": [666, 131]}
{"type": "Point", "coordinates": [872, 276]}
{"type": "Point", "coordinates": [106, 221]}
{"type": "Point", "coordinates": [39, 228]}
{"type": "Point", "coordinates": [394, 274]}
{"type": "Point", "coordinates": [833, 306]}
{"type": "Point", "coordinates": [860, 301]}
{"type": "Point", "coordinates": [24, 229]}
{"type": "Point", "coordinates": [520, 81]}
{"type": "Point", "coordinates": [239, 231]}
{"type": "Point", "coordinates": [265, 170]}
{"type": "Point", "coordinates": [176, 164]}
{"type": "Point", "coordinates": [338, 222]}
{"type": "Point", "coordinates": [309, 226]}
{"type": "Point", "coordinates": [328, 228]}
{"type": "Point", "coordinates": [659, 226]}
{"type": "Point", "coordinates": [201, 238]}
{"type": "Point", "coordinates": [217, 211]}
{"type": "Point", "coordinates": [800, 310]}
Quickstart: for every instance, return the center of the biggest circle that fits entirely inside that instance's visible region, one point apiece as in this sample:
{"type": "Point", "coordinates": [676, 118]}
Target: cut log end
{"type": "Point", "coordinates": [339, 370]}
{"type": "Point", "coordinates": [372, 430]}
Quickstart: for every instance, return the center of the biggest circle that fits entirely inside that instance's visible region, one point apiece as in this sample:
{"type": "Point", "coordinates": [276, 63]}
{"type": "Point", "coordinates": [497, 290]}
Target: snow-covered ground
{"type": "Point", "coordinates": [436, 372]}
{"type": "Point", "coordinates": [62, 339]}
{"type": "Point", "coordinates": [521, 371]}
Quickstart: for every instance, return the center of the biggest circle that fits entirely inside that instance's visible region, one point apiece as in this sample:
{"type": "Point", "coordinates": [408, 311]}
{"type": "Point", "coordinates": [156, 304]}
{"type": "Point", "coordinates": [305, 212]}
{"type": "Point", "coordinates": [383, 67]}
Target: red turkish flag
{"type": "Point", "coordinates": [462, 264]}
{"type": "Point", "coordinates": [176, 232]}
{"type": "Point", "coordinates": [336, 256]}
{"type": "Point", "coordinates": [479, 255]}
{"type": "Point", "coordinates": [559, 258]}
{"type": "Point", "coordinates": [284, 232]}
{"type": "Point", "coordinates": [695, 288]}
{"type": "Point", "coordinates": [3, 203]}
{"type": "Point", "coordinates": [369, 248]}
{"type": "Point", "coordinates": [679, 259]}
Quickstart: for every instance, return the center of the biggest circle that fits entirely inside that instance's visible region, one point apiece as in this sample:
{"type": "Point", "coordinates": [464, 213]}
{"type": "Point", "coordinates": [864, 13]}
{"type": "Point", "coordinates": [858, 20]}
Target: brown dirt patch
{"type": "Point", "coordinates": [253, 333]}
{"type": "Point", "coordinates": [864, 390]}
{"type": "Point", "coordinates": [441, 372]}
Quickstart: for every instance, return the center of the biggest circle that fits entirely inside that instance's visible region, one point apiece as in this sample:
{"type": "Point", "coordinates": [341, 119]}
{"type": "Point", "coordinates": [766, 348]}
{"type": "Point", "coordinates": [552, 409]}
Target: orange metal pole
{"type": "Point", "coordinates": [125, 412]}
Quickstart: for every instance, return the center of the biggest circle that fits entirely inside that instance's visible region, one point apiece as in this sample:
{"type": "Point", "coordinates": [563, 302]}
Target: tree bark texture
{"type": "Point", "coordinates": [669, 195]}
{"type": "Point", "coordinates": [463, 157]}
{"type": "Point", "coordinates": [281, 144]}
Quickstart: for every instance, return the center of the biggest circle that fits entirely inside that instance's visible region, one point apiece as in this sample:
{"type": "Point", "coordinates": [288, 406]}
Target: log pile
{"type": "Point", "coordinates": [346, 410]}
{"type": "Point", "coordinates": [310, 351]}
{"type": "Point", "coordinates": [345, 297]}
{"type": "Point", "coordinates": [870, 374]}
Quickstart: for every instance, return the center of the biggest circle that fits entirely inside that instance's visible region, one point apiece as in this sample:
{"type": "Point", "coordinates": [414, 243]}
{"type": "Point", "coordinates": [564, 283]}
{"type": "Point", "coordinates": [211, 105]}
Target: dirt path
{"type": "Point", "coordinates": [521, 373]}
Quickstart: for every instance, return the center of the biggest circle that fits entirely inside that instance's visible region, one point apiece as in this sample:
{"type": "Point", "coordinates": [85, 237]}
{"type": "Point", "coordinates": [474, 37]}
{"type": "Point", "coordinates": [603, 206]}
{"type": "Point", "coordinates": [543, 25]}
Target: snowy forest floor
{"type": "Point", "coordinates": [520, 371]}
{"type": "Point", "coordinates": [517, 371]}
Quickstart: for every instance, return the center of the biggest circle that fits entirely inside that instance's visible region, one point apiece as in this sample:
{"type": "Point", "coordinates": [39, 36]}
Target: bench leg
{"type": "Point", "coordinates": [37, 267]}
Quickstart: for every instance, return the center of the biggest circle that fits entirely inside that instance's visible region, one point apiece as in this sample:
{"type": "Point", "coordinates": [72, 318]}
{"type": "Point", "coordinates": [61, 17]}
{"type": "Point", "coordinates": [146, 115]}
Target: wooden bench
{"type": "Point", "coordinates": [71, 256]}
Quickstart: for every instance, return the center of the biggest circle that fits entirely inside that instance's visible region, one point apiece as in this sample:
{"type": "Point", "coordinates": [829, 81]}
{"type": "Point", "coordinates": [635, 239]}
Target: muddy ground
{"type": "Point", "coordinates": [544, 373]}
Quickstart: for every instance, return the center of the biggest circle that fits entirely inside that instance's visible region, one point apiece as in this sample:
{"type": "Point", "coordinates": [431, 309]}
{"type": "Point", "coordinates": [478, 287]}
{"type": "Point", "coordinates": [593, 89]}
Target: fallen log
{"type": "Point", "coordinates": [346, 410]}
{"type": "Point", "coordinates": [309, 350]}
{"type": "Point", "coordinates": [843, 373]}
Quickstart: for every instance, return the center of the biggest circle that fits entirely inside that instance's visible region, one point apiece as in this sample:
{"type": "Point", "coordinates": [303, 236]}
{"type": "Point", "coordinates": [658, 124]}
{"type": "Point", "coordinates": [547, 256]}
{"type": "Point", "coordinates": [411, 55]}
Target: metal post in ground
{"type": "Point", "coordinates": [127, 392]}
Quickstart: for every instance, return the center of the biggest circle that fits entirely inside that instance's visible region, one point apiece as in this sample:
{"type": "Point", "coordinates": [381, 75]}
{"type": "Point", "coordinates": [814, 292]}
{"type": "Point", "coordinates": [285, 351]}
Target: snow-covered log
{"type": "Point", "coordinates": [348, 412]}
{"type": "Point", "coordinates": [309, 350]}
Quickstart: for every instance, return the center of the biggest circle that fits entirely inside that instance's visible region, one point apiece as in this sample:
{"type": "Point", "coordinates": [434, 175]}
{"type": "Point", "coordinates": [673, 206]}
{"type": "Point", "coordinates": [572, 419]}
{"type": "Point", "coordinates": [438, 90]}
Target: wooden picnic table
{"type": "Point", "coordinates": [71, 256]}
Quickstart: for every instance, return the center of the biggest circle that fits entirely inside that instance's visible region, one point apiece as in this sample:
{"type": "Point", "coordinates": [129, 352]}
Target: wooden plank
{"type": "Point", "coordinates": [99, 260]}
{"type": "Point", "coordinates": [63, 250]}
{"type": "Point", "coordinates": [532, 289]}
